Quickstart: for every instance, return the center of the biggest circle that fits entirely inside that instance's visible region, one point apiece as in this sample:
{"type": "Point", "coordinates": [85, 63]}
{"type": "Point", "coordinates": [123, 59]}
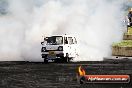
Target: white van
{"type": "Point", "coordinates": [59, 48]}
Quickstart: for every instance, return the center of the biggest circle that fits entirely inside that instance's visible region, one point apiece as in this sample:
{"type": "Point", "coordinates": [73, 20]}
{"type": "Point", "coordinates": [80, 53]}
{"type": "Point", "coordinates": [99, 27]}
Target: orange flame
{"type": "Point", "coordinates": [81, 71]}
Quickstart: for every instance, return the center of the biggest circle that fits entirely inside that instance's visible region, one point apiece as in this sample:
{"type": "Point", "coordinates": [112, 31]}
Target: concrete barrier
{"type": "Point", "coordinates": [121, 51]}
{"type": "Point", "coordinates": [127, 37]}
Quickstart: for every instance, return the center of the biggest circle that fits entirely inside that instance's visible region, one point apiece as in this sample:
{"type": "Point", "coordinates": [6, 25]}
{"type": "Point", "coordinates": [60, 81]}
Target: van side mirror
{"type": "Point", "coordinates": [42, 43]}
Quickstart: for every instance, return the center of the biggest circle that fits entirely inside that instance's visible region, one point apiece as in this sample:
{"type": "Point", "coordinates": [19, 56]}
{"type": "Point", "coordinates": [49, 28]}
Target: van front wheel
{"type": "Point", "coordinates": [45, 60]}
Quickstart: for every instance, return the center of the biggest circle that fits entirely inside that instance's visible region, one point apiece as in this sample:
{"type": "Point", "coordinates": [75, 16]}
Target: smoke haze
{"type": "Point", "coordinates": [97, 24]}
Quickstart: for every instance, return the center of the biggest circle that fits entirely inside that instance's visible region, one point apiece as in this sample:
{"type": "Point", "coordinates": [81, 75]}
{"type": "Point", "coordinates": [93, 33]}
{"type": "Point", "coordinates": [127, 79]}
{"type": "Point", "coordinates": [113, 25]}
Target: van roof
{"type": "Point", "coordinates": [64, 35]}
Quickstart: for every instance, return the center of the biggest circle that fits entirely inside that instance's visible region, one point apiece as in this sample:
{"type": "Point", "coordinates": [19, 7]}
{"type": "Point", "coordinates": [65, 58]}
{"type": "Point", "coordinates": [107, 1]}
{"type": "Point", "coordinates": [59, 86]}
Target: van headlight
{"type": "Point", "coordinates": [43, 49]}
{"type": "Point", "coordinates": [60, 48]}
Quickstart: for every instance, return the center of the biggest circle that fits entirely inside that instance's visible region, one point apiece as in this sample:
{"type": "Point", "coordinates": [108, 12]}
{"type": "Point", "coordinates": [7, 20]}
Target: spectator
{"type": "Point", "coordinates": [130, 18]}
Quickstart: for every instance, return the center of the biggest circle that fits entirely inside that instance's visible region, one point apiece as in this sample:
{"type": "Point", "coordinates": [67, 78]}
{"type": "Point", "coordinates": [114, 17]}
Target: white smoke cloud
{"type": "Point", "coordinates": [97, 24]}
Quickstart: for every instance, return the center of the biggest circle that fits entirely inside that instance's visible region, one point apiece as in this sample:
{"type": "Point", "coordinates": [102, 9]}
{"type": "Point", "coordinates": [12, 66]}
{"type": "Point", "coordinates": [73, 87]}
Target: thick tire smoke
{"type": "Point", "coordinates": [97, 25]}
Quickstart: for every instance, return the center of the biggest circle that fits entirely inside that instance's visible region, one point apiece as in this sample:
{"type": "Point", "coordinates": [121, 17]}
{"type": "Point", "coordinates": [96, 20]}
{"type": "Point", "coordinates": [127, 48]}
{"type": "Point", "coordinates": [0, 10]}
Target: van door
{"type": "Point", "coordinates": [71, 47]}
{"type": "Point", "coordinates": [75, 46]}
{"type": "Point", "coordinates": [66, 46]}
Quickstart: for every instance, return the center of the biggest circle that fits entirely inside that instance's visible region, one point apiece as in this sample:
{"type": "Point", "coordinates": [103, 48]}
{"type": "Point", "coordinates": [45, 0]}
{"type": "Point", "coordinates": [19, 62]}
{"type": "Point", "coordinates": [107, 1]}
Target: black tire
{"type": "Point", "coordinates": [45, 60]}
{"type": "Point", "coordinates": [62, 59]}
{"type": "Point", "coordinates": [67, 59]}
{"type": "Point", "coordinates": [56, 61]}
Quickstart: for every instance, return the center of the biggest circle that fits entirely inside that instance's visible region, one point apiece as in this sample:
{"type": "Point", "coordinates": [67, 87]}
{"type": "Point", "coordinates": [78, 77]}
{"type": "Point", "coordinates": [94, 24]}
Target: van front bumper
{"type": "Point", "coordinates": [52, 55]}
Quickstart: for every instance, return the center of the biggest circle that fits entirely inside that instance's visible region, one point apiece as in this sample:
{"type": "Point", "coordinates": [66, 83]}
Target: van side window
{"type": "Point", "coordinates": [70, 40]}
{"type": "Point", "coordinates": [66, 41]}
{"type": "Point", "coordinates": [75, 41]}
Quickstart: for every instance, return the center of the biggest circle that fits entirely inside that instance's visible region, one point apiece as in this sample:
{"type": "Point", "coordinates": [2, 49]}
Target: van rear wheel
{"type": "Point", "coordinates": [67, 59]}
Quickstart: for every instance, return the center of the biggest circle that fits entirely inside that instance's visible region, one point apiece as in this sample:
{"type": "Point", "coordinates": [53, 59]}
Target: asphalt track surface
{"type": "Point", "coordinates": [59, 75]}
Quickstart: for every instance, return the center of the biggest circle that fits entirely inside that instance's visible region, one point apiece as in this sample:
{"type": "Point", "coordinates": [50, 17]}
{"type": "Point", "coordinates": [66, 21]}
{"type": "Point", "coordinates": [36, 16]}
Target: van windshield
{"type": "Point", "coordinates": [54, 40]}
